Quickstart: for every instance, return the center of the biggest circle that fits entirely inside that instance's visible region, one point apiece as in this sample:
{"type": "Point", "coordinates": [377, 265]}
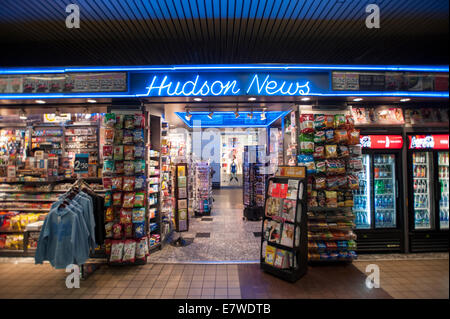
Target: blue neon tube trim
{"type": "Point", "coordinates": [412, 68]}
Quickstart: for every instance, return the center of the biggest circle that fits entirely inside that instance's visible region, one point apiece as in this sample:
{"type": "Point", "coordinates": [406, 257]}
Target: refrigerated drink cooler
{"type": "Point", "coordinates": [377, 202]}
{"type": "Point", "coordinates": [428, 160]}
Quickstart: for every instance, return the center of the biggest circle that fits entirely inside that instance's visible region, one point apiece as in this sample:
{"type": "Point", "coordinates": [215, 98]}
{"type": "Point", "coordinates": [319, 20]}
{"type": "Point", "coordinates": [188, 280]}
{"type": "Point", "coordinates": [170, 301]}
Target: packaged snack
{"type": "Point", "coordinates": [353, 182]}
{"type": "Point", "coordinates": [353, 137]}
{"type": "Point", "coordinates": [107, 152]}
{"type": "Point", "coordinates": [340, 199]}
{"type": "Point", "coordinates": [139, 182]}
{"type": "Point", "coordinates": [139, 121]}
{"type": "Point", "coordinates": [128, 183]}
{"type": "Point", "coordinates": [339, 121]}
{"type": "Point", "coordinates": [319, 122]}
{"type": "Point", "coordinates": [129, 122]}
{"type": "Point", "coordinates": [307, 123]}
{"type": "Point", "coordinates": [139, 166]}
{"type": "Point", "coordinates": [125, 216]}
{"type": "Point", "coordinates": [329, 136]}
{"type": "Point", "coordinates": [355, 164]}
{"type": "Point", "coordinates": [117, 231]}
{"type": "Point", "coordinates": [332, 183]}
{"type": "Point", "coordinates": [355, 150]}
{"type": "Point", "coordinates": [107, 182]}
{"type": "Point", "coordinates": [128, 151]}
{"type": "Point", "coordinates": [117, 183]}
{"type": "Point", "coordinates": [139, 200]}
{"type": "Point", "coordinates": [306, 143]}
{"type": "Point", "coordinates": [117, 199]}
{"type": "Point", "coordinates": [320, 183]}
{"type": "Point", "coordinates": [138, 215]}
{"type": "Point", "coordinates": [321, 199]}
{"type": "Point", "coordinates": [312, 199]}
{"type": "Point", "coordinates": [335, 167]}
{"type": "Point", "coordinates": [128, 230]}
{"type": "Point", "coordinates": [340, 167]}
{"type": "Point", "coordinates": [319, 137]}
{"type": "Point", "coordinates": [118, 152]}
{"type": "Point", "coordinates": [108, 243]}
{"type": "Point", "coordinates": [109, 230]}
{"type": "Point", "coordinates": [139, 151]}
{"type": "Point", "coordinates": [119, 169]}
{"type": "Point", "coordinates": [319, 152]}
{"type": "Point", "coordinates": [109, 135]}
{"type": "Point", "coordinates": [329, 121]}
{"type": "Point", "coordinates": [138, 136]}
{"type": "Point", "coordinates": [349, 122]}
{"type": "Point", "coordinates": [341, 182]}
{"type": "Point", "coordinates": [128, 200]}
{"type": "Point", "coordinates": [108, 199]}
{"type": "Point", "coordinates": [118, 137]}
{"type": "Point", "coordinates": [140, 249]}
{"type": "Point", "coordinates": [331, 199]}
{"type": "Point", "coordinates": [116, 251]}
{"type": "Point", "coordinates": [331, 151]}
{"type": "Point", "coordinates": [129, 251]}
{"type": "Point", "coordinates": [321, 167]}
{"type": "Point", "coordinates": [119, 122]}
{"type": "Point", "coordinates": [139, 229]}
{"type": "Point", "coordinates": [109, 214]}
{"type": "Point", "coordinates": [128, 167]}
{"type": "Point", "coordinates": [343, 151]}
{"type": "Point", "coordinates": [109, 119]}
{"type": "Point", "coordinates": [108, 167]}
{"type": "Point", "coordinates": [341, 136]}
{"type": "Point", "coordinates": [348, 195]}
{"type": "Point", "coordinates": [308, 162]}
{"type": "Point", "coordinates": [127, 137]}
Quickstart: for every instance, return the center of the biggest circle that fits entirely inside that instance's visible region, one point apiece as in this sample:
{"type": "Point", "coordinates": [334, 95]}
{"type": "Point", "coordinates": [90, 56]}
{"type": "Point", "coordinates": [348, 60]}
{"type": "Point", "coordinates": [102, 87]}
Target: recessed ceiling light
{"type": "Point", "coordinates": [357, 99]}
{"type": "Point", "coordinates": [198, 99]}
{"type": "Point", "coordinates": [252, 98]}
{"type": "Point", "coordinates": [306, 98]}
{"type": "Point", "coordinates": [40, 101]}
{"type": "Point", "coordinates": [92, 101]}
{"type": "Point", "coordinates": [405, 100]}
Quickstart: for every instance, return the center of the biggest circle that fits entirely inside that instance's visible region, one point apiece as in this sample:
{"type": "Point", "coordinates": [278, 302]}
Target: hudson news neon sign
{"type": "Point", "coordinates": [260, 85]}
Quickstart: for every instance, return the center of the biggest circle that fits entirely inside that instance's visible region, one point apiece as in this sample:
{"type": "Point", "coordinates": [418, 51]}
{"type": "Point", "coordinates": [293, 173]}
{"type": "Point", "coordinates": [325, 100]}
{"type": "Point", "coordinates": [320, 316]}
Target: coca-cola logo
{"type": "Point", "coordinates": [366, 141]}
{"type": "Point", "coordinates": [422, 142]}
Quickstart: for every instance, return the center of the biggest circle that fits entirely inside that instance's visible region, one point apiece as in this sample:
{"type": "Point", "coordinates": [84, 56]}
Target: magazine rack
{"type": "Point", "coordinates": [181, 203]}
{"type": "Point", "coordinates": [279, 229]}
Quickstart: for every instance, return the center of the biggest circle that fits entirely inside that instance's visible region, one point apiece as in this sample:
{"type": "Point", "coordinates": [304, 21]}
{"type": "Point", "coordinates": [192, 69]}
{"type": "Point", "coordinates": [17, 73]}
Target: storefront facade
{"type": "Point", "coordinates": [400, 205]}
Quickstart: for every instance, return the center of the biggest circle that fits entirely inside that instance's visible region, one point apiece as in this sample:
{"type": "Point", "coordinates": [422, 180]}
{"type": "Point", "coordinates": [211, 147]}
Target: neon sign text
{"type": "Point", "coordinates": [162, 86]}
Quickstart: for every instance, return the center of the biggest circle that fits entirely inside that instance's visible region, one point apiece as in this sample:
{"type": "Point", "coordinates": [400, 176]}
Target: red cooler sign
{"type": "Point", "coordinates": [435, 142]}
{"type": "Point", "coordinates": [381, 141]}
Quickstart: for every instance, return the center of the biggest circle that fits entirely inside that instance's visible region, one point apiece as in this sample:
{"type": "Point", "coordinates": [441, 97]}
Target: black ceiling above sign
{"type": "Point", "coordinates": [141, 32]}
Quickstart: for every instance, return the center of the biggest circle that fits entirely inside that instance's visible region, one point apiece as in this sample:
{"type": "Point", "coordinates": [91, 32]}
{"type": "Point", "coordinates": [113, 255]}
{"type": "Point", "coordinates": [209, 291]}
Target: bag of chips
{"type": "Point", "coordinates": [109, 119]}
{"type": "Point", "coordinates": [125, 216]}
{"type": "Point", "coordinates": [355, 150]}
{"type": "Point", "coordinates": [332, 183]}
{"type": "Point", "coordinates": [341, 136]}
{"type": "Point", "coordinates": [127, 137]}
{"type": "Point", "coordinates": [109, 136]}
{"type": "Point", "coordinates": [343, 151]}
{"type": "Point", "coordinates": [306, 143]}
{"type": "Point", "coordinates": [107, 183]}
{"type": "Point", "coordinates": [355, 164]}
{"type": "Point", "coordinates": [117, 231]}
{"type": "Point", "coordinates": [331, 151]}
{"type": "Point", "coordinates": [340, 199]}
{"type": "Point", "coordinates": [107, 152]}
{"type": "Point", "coordinates": [139, 166]}
{"type": "Point", "coordinates": [128, 230]}
{"type": "Point", "coordinates": [339, 121]}
{"type": "Point", "coordinates": [108, 167]}
{"type": "Point", "coordinates": [128, 183]}
{"type": "Point", "coordinates": [139, 183]}
{"type": "Point", "coordinates": [138, 120]}
{"type": "Point", "coordinates": [329, 121]}
{"type": "Point", "coordinates": [128, 167]}
{"type": "Point", "coordinates": [312, 199]}
{"type": "Point", "coordinates": [129, 251]}
{"type": "Point", "coordinates": [117, 183]}
{"type": "Point", "coordinates": [320, 183]}
{"type": "Point", "coordinates": [321, 167]}
{"type": "Point", "coordinates": [118, 137]}
{"type": "Point", "coordinates": [108, 243]}
{"type": "Point", "coordinates": [117, 199]}
{"type": "Point", "coordinates": [329, 136]}
{"type": "Point", "coordinates": [119, 122]}
{"type": "Point", "coordinates": [331, 199]}
{"type": "Point", "coordinates": [119, 169]}
{"type": "Point", "coordinates": [341, 182]}
{"type": "Point", "coordinates": [128, 200]}
{"type": "Point", "coordinates": [308, 162]}
{"type": "Point", "coordinates": [321, 199]}
{"type": "Point", "coordinates": [129, 122]}
{"type": "Point", "coordinates": [138, 136]}
{"type": "Point", "coordinates": [109, 214]}
{"type": "Point", "coordinates": [138, 215]}
{"type": "Point", "coordinates": [353, 137]}
{"type": "Point", "coordinates": [307, 123]}
{"type": "Point", "coordinates": [118, 152]}
{"type": "Point", "coordinates": [349, 122]}
{"type": "Point", "coordinates": [348, 199]}
{"type": "Point", "coordinates": [140, 249]}
{"type": "Point", "coordinates": [139, 200]}
{"type": "Point", "coordinates": [128, 152]}
{"type": "Point", "coordinates": [353, 182]}
{"type": "Point", "coordinates": [319, 152]}
{"type": "Point", "coordinates": [319, 122]}
{"type": "Point", "coordinates": [116, 251]}
{"type": "Point", "coordinates": [319, 137]}
{"type": "Point", "coordinates": [139, 229]}
{"type": "Point", "coordinates": [109, 230]}
{"type": "Point", "coordinates": [139, 151]}
{"type": "Point", "coordinates": [108, 199]}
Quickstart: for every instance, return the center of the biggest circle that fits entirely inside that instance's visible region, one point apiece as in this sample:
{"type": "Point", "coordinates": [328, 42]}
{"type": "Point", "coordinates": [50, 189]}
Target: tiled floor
{"type": "Point", "coordinates": [399, 279]}
{"type": "Point", "coordinates": [230, 237]}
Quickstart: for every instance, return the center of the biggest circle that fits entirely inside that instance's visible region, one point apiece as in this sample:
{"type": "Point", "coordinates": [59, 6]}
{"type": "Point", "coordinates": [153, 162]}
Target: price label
{"type": "Point", "coordinates": [81, 164]}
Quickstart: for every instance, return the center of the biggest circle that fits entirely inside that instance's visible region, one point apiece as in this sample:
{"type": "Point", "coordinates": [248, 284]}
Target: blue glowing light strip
{"type": "Point", "coordinates": [412, 68]}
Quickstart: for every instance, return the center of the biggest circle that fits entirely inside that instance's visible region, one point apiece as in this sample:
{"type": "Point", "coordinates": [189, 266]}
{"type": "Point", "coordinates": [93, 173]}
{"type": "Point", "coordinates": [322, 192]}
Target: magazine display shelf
{"type": "Point", "coordinates": [202, 189]}
{"type": "Point", "coordinates": [254, 181]}
{"type": "Point", "coordinates": [296, 266]}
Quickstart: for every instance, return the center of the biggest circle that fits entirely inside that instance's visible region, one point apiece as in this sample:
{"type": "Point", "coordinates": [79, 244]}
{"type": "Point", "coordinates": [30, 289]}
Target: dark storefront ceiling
{"type": "Point", "coordinates": [139, 32]}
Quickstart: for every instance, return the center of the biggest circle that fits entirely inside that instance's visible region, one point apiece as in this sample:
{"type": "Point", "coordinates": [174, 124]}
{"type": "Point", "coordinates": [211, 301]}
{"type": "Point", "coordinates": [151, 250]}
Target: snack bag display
{"type": "Point", "coordinates": [125, 216]}
{"type": "Point", "coordinates": [319, 152]}
{"type": "Point", "coordinates": [353, 137]}
{"type": "Point", "coordinates": [117, 183]}
{"type": "Point", "coordinates": [139, 182]}
{"type": "Point", "coordinates": [109, 214]}
{"type": "Point", "coordinates": [339, 121]}
{"type": "Point", "coordinates": [128, 230]}
{"type": "Point", "coordinates": [319, 121]}
{"type": "Point", "coordinates": [109, 136]}
{"type": "Point", "coordinates": [117, 199]}
{"type": "Point", "coordinates": [117, 231]}
{"type": "Point", "coordinates": [139, 200]}
{"type": "Point", "coordinates": [329, 136]}
{"type": "Point", "coordinates": [128, 167]}
{"type": "Point", "coordinates": [128, 183]}
{"type": "Point", "coordinates": [108, 167]}
{"type": "Point", "coordinates": [127, 137]}
{"type": "Point", "coordinates": [109, 119]}
{"type": "Point", "coordinates": [306, 143]}
{"type": "Point", "coordinates": [118, 152]}
{"type": "Point", "coordinates": [138, 136]}
{"type": "Point", "coordinates": [119, 167]}
{"type": "Point", "coordinates": [128, 152]}
{"type": "Point", "coordinates": [107, 152]}
{"type": "Point", "coordinates": [129, 251]}
{"type": "Point", "coordinates": [116, 251]}
{"type": "Point", "coordinates": [129, 122]}
{"type": "Point", "coordinates": [319, 137]}
{"type": "Point", "coordinates": [331, 151]}
{"type": "Point", "coordinates": [307, 123]}
{"type": "Point", "coordinates": [139, 229]}
{"type": "Point", "coordinates": [341, 136]}
{"type": "Point", "coordinates": [138, 215]}
{"type": "Point", "coordinates": [128, 200]}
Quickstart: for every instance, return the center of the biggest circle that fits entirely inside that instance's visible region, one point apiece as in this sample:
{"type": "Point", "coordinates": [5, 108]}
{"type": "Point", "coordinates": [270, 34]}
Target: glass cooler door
{"type": "Point", "coordinates": [422, 190]}
{"type": "Point", "coordinates": [361, 197]}
{"type": "Point", "coordinates": [443, 186]}
{"type": "Point", "coordinates": [385, 190]}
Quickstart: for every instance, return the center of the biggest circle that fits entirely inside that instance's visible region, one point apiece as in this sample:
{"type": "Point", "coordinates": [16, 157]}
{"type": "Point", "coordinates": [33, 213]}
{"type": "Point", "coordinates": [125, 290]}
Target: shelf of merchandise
{"type": "Point", "coordinates": [202, 188]}
{"type": "Point", "coordinates": [166, 180]}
